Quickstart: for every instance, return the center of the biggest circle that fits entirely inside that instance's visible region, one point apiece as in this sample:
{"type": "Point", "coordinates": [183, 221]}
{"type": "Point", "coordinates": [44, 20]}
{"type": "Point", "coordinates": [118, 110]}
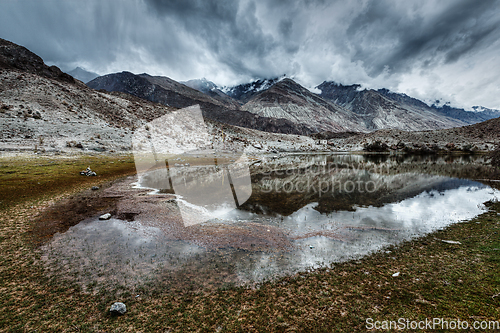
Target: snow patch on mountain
{"type": "Point", "coordinates": [251, 88]}
{"type": "Point", "coordinates": [202, 85]}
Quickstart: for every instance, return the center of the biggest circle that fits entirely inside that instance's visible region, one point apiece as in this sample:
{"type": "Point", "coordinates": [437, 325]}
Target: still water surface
{"type": "Point", "coordinates": [326, 208]}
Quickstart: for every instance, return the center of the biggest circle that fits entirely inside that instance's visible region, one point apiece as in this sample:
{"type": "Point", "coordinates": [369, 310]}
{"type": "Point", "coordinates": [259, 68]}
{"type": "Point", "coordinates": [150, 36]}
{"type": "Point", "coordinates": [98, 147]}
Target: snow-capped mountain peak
{"type": "Point", "coordinates": [202, 85]}
{"type": "Point", "coordinates": [245, 91]}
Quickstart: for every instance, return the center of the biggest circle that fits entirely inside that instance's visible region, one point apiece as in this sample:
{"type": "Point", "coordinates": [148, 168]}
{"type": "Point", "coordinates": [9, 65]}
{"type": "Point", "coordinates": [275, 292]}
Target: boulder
{"type": "Point", "coordinates": [118, 308]}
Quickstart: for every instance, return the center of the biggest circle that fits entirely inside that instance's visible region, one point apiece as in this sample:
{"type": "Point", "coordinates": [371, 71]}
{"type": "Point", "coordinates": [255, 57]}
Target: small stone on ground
{"type": "Point", "coordinates": [118, 308]}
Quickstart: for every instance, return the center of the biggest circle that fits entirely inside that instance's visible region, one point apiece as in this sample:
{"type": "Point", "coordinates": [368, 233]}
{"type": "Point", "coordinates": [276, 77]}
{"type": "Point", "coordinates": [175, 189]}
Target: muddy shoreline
{"type": "Point", "coordinates": [124, 202]}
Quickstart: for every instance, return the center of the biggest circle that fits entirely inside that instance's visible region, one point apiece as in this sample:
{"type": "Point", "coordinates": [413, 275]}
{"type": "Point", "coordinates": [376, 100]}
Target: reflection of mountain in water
{"type": "Point", "coordinates": [344, 182]}
{"type": "Point", "coordinates": [283, 185]}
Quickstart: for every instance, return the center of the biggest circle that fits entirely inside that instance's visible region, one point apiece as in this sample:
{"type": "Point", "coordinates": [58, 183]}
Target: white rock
{"type": "Point", "coordinates": [118, 308]}
{"type": "Point", "coordinates": [106, 216]}
{"type": "Point", "coordinates": [395, 274]}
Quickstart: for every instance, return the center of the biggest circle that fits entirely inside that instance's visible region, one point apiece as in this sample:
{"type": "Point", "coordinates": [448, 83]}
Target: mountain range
{"type": "Point", "coordinates": [284, 106]}
{"type": "Point", "coordinates": [44, 109]}
{"type": "Point", "coordinates": [168, 92]}
{"type": "Point", "coordinates": [383, 109]}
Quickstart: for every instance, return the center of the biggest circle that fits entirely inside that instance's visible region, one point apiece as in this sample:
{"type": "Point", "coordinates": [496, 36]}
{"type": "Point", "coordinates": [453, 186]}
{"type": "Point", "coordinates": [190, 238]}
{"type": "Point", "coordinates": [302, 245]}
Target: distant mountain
{"type": "Point", "coordinates": [244, 92]}
{"type": "Point", "coordinates": [288, 100]}
{"type": "Point", "coordinates": [202, 85]}
{"type": "Point", "coordinates": [383, 109]}
{"type": "Point", "coordinates": [16, 57]}
{"type": "Point", "coordinates": [469, 117]}
{"type": "Point", "coordinates": [156, 89]}
{"type": "Point", "coordinates": [483, 109]}
{"type": "Point", "coordinates": [211, 89]}
{"type": "Point", "coordinates": [168, 92]}
{"type": "Point", "coordinates": [82, 74]}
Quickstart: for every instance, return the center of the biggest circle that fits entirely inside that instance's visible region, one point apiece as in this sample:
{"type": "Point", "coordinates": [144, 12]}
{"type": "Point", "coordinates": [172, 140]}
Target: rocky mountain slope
{"type": "Point", "coordinates": [385, 109]}
{"type": "Point", "coordinates": [38, 113]}
{"type": "Point", "coordinates": [16, 57]}
{"type": "Point", "coordinates": [484, 136]}
{"type": "Point", "coordinates": [168, 92]}
{"type": "Point", "coordinates": [289, 100]}
{"type": "Point", "coordinates": [380, 111]}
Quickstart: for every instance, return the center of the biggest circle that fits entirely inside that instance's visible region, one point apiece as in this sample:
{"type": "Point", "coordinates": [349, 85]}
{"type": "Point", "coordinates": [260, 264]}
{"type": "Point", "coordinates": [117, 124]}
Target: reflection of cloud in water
{"type": "Point", "coordinates": [368, 229]}
{"type": "Point", "coordinates": [422, 213]}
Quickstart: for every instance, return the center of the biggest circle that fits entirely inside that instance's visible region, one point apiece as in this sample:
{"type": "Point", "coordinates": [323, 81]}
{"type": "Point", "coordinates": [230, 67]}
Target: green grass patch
{"type": "Point", "coordinates": [29, 178]}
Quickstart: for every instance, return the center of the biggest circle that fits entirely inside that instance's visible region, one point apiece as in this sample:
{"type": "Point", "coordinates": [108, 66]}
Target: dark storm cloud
{"type": "Point", "coordinates": [447, 34]}
{"type": "Point", "coordinates": [376, 43]}
{"type": "Point", "coordinates": [228, 29]}
{"type": "Point", "coordinates": [286, 27]}
{"type": "Point", "coordinates": [97, 33]}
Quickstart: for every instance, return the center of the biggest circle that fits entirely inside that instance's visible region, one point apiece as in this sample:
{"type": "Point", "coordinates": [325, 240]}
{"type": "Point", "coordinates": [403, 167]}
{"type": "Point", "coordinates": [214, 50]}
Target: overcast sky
{"type": "Point", "coordinates": [447, 50]}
